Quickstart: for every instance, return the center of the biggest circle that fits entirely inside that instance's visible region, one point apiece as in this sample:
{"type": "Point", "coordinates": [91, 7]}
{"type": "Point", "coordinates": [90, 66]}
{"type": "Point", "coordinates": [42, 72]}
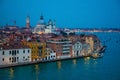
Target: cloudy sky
{"type": "Point", "coordinates": [67, 13]}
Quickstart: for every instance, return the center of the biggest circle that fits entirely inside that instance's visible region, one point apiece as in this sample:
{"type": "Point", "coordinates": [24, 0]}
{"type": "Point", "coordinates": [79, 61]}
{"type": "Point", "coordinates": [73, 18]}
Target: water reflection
{"type": "Point", "coordinates": [11, 70]}
{"type": "Point", "coordinates": [95, 62]}
{"type": "Point", "coordinates": [74, 61]}
{"type": "Point", "coordinates": [37, 68]}
{"type": "Point", "coordinates": [59, 64]}
{"type": "Point", "coordinates": [87, 63]}
{"type": "Point", "coordinates": [87, 60]}
{"type": "Point", "coordinates": [37, 71]}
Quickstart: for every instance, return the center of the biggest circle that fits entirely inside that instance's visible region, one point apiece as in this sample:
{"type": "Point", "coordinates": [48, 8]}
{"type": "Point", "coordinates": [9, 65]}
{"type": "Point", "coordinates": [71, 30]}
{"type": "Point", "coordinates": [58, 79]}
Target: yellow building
{"type": "Point", "coordinates": [90, 41]}
{"type": "Point", "coordinates": [38, 49]}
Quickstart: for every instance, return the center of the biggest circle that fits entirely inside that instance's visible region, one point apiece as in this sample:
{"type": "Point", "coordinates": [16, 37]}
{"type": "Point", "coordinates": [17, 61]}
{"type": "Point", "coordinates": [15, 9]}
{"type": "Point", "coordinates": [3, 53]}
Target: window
{"type": "Point", "coordinates": [3, 59]}
{"type": "Point", "coordinates": [17, 51]}
{"type": "Point", "coordinates": [12, 52]}
{"type": "Point", "coordinates": [3, 52]}
{"type": "Point", "coordinates": [17, 59]}
{"type": "Point", "coordinates": [9, 59]}
{"type": "Point", "coordinates": [9, 52]}
{"type": "Point", "coordinates": [23, 51]}
{"type": "Point", "coordinates": [28, 51]}
{"type": "Point", "coordinates": [14, 59]}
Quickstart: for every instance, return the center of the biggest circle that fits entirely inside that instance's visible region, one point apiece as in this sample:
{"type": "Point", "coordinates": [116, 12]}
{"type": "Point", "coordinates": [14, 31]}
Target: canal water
{"type": "Point", "coordinates": [105, 68]}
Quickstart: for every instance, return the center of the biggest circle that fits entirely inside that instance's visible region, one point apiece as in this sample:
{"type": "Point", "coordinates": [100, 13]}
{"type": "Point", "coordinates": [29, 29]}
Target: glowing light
{"type": "Point", "coordinates": [74, 61]}
{"type": "Point", "coordinates": [37, 71]}
{"type": "Point", "coordinates": [59, 64]}
{"type": "Point", "coordinates": [11, 73]}
{"type": "Point", "coordinates": [87, 60]}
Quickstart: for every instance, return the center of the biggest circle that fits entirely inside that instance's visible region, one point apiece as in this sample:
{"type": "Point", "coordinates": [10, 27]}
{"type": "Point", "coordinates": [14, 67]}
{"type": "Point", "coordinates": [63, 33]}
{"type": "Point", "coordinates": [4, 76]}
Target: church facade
{"type": "Point", "coordinates": [43, 27]}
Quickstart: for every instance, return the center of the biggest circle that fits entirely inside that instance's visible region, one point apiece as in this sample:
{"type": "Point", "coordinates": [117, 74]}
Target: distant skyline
{"type": "Point", "coordinates": [67, 13]}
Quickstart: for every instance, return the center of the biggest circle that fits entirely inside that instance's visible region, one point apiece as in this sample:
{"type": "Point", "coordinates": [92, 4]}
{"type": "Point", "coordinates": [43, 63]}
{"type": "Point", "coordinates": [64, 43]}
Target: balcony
{"type": "Point", "coordinates": [68, 51]}
{"type": "Point", "coordinates": [66, 48]}
{"type": "Point", "coordinates": [67, 45]}
{"type": "Point", "coordinates": [59, 42]}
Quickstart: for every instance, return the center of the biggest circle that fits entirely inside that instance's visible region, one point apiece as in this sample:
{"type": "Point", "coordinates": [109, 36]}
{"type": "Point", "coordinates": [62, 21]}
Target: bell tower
{"type": "Point", "coordinates": [28, 22]}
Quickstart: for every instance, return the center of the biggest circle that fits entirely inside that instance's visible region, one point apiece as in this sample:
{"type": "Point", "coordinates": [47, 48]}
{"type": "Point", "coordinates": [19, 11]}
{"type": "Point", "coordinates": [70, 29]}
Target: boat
{"type": "Point", "coordinates": [102, 49]}
{"type": "Point", "coordinates": [99, 53]}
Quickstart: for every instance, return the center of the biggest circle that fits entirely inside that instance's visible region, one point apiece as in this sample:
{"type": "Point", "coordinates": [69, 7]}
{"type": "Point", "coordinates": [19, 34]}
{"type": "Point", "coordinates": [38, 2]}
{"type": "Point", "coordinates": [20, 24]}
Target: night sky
{"type": "Point", "coordinates": [67, 13]}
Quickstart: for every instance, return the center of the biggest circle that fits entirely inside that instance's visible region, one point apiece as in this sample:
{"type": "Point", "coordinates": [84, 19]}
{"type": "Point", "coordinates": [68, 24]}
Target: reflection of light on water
{"type": "Point", "coordinates": [11, 73]}
{"type": "Point", "coordinates": [37, 71]}
{"type": "Point", "coordinates": [87, 63]}
{"type": "Point", "coordinates": [74, 61]}
{"type": "Point", "coordinates": [87, 60]}
{"type": "Point", "coordinates": [90, 63]}
{"type": "Point", "coordinates": [95, 62]}
{"type": "Point", "coordinates": [37, 68]}
{"type": "Point", "coordinates": [59, 64]}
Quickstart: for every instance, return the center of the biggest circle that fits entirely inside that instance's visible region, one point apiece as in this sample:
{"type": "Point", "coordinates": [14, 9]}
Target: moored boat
{"type": "Point", "coordinates": [99, 53]}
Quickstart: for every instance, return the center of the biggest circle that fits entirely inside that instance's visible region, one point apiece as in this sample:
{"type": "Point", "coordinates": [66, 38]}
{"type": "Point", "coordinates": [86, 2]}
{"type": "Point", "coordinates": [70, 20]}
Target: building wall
{"type": "Point", "coordinates": [13, 56]}
{"type": "Point", "coordinates": [56, 47]}
{"type": "Point", "coordinates": [51, 55]}
{"type": "Point", "coordinates": [35, 50]}
{"type": "Point", "coordinates": [61, 46]}
{"type": "Point", "coordinates": [90, 41]}
{"type": "Point", "coordinates": [76, 49]}
{"type": "Point", "coordinates": [40, 28]}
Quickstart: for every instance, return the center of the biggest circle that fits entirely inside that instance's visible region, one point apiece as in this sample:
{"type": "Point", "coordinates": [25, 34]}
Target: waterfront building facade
{"type": "Point", "coordinates": [14, 55]}
{"type": "Point", "coordinates": [76, 49]}
{"type": "Point", "coordinates": [89, 40]}
{"type": "Point", "coordinates": [93, 42]}
{"type": "Point", "coordinates": [38, 49]}
{"type": "Point", "coordinates": [62, 46]}
{"type": "Point", "coordinates": [51, 55]}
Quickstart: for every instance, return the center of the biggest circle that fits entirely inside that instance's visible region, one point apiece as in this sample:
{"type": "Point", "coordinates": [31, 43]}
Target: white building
{"type": "Point", "coordinates": [51, 55]}
{"type": "Point", "coordinates": [42, 27]}
{"type": "Point", "coordinates": [14, 56]}
{"type": "Point", "coordinates": [50, 28]}
{"type": "Point", "coordinates": [76, 49]}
